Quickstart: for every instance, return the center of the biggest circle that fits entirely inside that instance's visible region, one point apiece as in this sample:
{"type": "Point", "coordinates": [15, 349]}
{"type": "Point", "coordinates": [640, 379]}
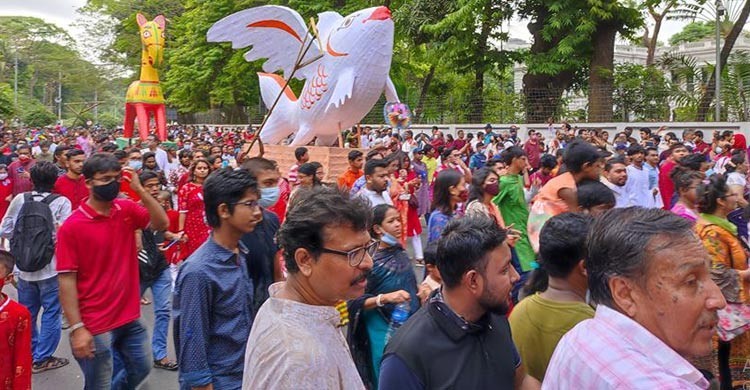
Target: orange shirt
{"type": "Point", "coordinates": [347, 179]}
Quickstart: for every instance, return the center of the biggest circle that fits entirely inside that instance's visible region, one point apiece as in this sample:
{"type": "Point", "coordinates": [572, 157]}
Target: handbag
{"type": "Point", "coordinates": [734, 320]}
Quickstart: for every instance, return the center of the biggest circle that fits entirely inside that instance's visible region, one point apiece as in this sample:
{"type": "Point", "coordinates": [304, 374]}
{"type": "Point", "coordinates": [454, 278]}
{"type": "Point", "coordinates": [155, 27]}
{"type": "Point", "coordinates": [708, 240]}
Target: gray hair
{"type": "Point", "coordinates": [620, 244]}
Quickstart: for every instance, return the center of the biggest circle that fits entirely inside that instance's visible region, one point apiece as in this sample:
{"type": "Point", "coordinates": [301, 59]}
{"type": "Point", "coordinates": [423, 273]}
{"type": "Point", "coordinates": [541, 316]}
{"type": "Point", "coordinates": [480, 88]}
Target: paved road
{"type": "Point", "coordinates": [69, 377]}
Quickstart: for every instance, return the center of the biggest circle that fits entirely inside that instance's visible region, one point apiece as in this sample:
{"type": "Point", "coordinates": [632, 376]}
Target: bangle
{"type": "Point", "coordinates": [378, 303]}
{"type": "Point", "coordinates": [75, 327]}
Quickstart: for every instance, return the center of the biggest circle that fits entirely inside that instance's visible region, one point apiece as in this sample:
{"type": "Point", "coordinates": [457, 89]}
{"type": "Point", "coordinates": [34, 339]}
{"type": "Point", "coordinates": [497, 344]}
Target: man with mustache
{"type": "Point", "coordinates": [461, 336]}
{"type": "Point", "coordinates": [657, 306]}
{"type": "Point", "coordinates": [296, 340]}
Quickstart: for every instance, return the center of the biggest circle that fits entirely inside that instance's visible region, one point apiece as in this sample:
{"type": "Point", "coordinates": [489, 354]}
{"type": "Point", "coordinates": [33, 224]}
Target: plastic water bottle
{"type": "Point", "coordinates": [398, 317]}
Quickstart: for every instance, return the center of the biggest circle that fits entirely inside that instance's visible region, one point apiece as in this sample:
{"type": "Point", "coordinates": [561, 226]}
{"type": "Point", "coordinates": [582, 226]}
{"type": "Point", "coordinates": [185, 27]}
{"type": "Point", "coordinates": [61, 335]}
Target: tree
{"type": "Point", "coordinates": [659, 11]}
{"type": "Point", "coordinates": [611, 17]}
{"type": "Point", "coordinates": [111, 29]}
{"type": "Point", "coordinates": [557, 57]}
{"type": "Point", "coordinates": [693, 32]}
{"type": "Point", "coordinates": [472, 27]}
{"type": "Point", "coordinates": [47, 57]}
{"type": "Point", "coordinates": [573, 43]}
{"type": "Point", "coordinates": [6, 101]}
{"type": "Point", "coordinates": [708, 94]}
{"type": "Point", "coordinates": [633, 101]}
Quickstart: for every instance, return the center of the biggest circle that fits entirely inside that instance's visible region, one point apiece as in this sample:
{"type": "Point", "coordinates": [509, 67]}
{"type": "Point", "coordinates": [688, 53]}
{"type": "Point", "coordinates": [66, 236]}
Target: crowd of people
{"type": "Point", "coordinates": [582, 261]}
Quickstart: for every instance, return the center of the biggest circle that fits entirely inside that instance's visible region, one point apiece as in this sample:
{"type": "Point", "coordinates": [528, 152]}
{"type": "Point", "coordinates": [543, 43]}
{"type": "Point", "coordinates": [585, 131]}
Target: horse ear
{"type": "Point", "coordinates": [140, 19]}
{"type": "Point", "coordinates": [160, 21]}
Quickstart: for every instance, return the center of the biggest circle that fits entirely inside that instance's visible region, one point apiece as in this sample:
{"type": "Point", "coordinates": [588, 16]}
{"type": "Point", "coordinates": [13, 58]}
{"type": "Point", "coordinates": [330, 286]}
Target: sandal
{"type": "Point", "coordinates": [145, 301]}
{"type": "Point", "coordinates": [166, 364]}
{"type": "Point", "coordinates": [50, 364]}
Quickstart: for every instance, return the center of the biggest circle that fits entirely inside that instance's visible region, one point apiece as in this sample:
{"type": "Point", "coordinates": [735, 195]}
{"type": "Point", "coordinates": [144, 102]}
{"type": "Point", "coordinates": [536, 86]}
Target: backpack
{"type": "Point", "coordinates": [32, 243]}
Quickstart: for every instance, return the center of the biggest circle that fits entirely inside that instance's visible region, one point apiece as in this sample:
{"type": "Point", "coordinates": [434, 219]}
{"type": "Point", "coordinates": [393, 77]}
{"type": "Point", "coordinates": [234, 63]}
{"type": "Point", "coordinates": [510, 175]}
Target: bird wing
{"type": "Point", "coordinates": [276, 33]}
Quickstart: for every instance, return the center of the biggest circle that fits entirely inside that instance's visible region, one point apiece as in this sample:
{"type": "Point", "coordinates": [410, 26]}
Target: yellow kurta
{"type": "Point", "coordinates": [727, 253]}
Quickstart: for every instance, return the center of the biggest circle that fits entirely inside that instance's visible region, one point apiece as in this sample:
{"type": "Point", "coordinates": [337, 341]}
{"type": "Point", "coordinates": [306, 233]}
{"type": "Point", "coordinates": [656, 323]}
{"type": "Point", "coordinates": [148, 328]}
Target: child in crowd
{"type": "Point", "coordinates": [432, 278]}
{"type": "Point", "coordinates": [15, 334]}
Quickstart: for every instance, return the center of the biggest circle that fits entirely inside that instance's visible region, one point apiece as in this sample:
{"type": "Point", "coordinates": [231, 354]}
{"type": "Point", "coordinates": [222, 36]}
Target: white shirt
{"type": "Point", "coordinates": [612, 351]}
{"type": "Point", "coordinates": [374, 197]}
{"type": "Point", "coordinates": [293, 345]}
{"type": "Point", "coordinates": [61, 210]}
{"type": "Point", "coordinates": [637, 188]}
{"type": "Point", "coordinates": [737, 179]}
{"type": "Point", "coordinates": [622, 199]}
{"type": "Point", "coordinates": [161, 157]}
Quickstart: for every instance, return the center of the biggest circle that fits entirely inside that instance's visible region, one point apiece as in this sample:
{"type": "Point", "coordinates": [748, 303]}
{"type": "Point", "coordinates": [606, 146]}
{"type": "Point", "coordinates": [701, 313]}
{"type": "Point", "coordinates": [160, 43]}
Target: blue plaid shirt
{"type": "Point", "coordinates": [213, 314]}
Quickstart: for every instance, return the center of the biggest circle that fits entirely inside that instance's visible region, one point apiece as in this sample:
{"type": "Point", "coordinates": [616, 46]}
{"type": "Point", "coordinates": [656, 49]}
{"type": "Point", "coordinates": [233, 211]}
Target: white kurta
{"type": "Point", "coordinates": [293, 345]}
{"type": "Point", "coordinates": [621, 193]}
{"type": "Point", "coordinates": [638, 188]}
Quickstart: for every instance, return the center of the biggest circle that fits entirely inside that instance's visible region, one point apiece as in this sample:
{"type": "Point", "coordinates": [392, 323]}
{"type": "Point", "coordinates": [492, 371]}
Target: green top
{"type": "Point", "coordinates": [538, 324]}
{"type": "Point", "coordinates": [512, 204]}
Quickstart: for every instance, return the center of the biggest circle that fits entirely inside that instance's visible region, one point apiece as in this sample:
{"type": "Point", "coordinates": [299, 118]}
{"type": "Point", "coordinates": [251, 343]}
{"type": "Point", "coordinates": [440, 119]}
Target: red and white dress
{"type": "Point", "coordinates": [190, 199]}
{"type": "Point", "coordinates": [15, 345]}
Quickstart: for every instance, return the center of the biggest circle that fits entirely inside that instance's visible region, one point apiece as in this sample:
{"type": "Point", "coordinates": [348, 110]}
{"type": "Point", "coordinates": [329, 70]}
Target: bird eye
{"type": "Point", "coordinates": [347, 22]}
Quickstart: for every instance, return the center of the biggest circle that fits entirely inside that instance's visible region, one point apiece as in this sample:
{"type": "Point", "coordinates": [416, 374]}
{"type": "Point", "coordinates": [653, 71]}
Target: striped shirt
{"type": "Point", "coordinates": [611, 351]}
{"type": "Point", "coordinates": [293, 175]}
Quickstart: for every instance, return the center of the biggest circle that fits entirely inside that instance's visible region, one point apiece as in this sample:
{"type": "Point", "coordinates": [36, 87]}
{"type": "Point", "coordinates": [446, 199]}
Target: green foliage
{"type": "Point", "coordinates": [6, 101]}
{"type": "Point", "coordinates": [47, 56]}
{"type": "Point", "coordinates": [39, 117]}
{"type": "Point", "coordinates": [111, 29]}
{"type": "Point", "coordinates": [635, 101]}
{"type": "Point", "coordinates": [693, 32]}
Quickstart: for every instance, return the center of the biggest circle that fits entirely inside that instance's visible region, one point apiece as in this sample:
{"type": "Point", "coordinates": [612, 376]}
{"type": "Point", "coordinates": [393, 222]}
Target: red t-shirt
{"type": "Point", "coordinates": [125, 187]}
{"type": "Point", "coordinates": [666, 186]}
{"type": "Point", "coordinates": [15, 345]}
{"type": "Point", "coordinates": [74, 190]}
{"type": "Point", "coordinates": [101, 249]}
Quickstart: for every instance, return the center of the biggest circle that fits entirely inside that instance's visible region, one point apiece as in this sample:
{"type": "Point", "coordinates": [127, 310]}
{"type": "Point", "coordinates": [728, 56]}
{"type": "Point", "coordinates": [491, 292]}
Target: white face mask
{"type": "Point", "coordinates": [3, 176]}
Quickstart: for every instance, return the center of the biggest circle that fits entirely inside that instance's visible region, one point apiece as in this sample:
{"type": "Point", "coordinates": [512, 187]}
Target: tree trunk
{"type": "Point", "coordinates": [709, 93]}
{"type": "Point", "coordinates": [601, 72]}
{"type": "Point", "coordinates": [654, 40]}
{"type": "Point", "coordinates": [236, 115]}
{"type": "Point", "coordinates": [543, 93]}
{"type": "Point", "coordinates": [476, 111]}
{"type": "Point", "coordinates": [423, 93]}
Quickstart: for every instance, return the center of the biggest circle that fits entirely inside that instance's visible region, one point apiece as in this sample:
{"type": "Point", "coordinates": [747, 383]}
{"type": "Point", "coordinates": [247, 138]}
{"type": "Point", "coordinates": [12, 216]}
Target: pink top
{"type": "Point", "coordinates": [611, 351]}
{"type": "Point", "coordinates": [684, 212]}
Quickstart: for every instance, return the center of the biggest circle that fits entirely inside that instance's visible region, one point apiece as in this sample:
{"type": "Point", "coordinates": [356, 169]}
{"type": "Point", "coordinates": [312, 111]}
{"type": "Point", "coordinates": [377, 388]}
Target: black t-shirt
{"type": "Point", "coordinates": [435, 349]}
{"type": "Point", "coordinates": [262, 248]}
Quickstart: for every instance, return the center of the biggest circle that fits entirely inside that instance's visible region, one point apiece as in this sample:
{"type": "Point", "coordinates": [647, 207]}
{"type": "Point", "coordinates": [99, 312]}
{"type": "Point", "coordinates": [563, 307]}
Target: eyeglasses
{"type": "Point", "coordinates": [249, 203]}
{"type": "Point", "coordinates": [356, 255]}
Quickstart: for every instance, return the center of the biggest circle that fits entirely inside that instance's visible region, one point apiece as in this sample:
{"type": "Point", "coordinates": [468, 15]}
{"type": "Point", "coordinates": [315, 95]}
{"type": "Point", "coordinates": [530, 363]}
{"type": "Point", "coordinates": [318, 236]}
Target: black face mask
{"type": "Point", "coordinates": [107, 192]}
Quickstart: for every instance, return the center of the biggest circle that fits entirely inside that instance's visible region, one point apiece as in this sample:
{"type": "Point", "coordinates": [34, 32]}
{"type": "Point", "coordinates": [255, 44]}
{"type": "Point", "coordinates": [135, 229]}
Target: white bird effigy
{"type": "Point", "coordinates": [345, 70]}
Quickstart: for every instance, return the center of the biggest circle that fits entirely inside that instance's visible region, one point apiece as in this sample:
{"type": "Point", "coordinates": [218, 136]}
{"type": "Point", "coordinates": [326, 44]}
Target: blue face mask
{"type": "Point", "coordinates": [135, 164]}
{"type": "Point", "coordinates": [269, 196]}
{"type": "Point", "coordinates": [389, 239]}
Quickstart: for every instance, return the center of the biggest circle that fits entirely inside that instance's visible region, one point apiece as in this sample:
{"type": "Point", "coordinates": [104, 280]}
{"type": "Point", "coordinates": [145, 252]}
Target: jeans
{"type": "Point", "coordinates": [129, 343]}
{"type": "Point", "coordinates": [161, 288]}
{"type": "Point", "coordinates": [38, 295]}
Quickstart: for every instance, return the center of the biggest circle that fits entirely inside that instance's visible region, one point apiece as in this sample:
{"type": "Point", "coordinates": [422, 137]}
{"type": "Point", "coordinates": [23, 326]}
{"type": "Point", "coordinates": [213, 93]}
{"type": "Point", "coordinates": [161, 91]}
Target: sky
{"type": "Point", "coordinates": [63, 13]}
